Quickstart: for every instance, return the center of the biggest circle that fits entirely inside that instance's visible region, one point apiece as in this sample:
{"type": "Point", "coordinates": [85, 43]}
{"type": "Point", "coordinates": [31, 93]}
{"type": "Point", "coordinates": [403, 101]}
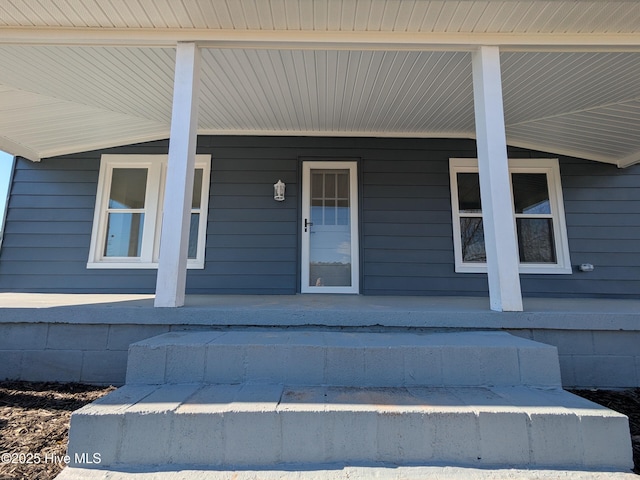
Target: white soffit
{"type": "Point", "coordinates": [337, 92]}
{"type": "Point", "coordinates": [580, 104]}
{"type": "Point", "coordinates": [506, 16]}
{"type": "Point", "coordinates": [37, 126]}
{"type": "Point", "coordinates": [57, 99]}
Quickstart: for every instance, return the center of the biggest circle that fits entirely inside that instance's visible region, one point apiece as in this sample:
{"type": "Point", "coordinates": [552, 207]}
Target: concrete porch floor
{"type": "Point", "coordinates": [322, 310]}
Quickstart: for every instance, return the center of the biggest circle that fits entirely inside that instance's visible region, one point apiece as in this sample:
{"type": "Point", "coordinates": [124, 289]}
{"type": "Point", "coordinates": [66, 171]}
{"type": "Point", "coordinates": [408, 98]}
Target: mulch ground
{"type": "Point", "coordinates": [34, 420]}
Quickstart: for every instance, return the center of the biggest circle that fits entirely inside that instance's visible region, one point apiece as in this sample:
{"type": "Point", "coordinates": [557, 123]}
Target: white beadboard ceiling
{"type": "Point", "coordinates": [508, 16]}
{"type": "Point", "coordinates": [57, 98]}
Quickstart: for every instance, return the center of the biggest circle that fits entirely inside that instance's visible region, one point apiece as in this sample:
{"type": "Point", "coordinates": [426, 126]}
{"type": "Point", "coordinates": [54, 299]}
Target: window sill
{"type": "Point", "coordinates": [195, 265]}
{"type": "Point", "coordinates": [523, 270]}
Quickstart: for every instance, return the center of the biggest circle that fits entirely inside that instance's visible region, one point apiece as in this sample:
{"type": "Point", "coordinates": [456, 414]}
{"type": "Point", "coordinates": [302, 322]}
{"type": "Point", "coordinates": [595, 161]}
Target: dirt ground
{"type": "Point", "coordinates": [34, 420]}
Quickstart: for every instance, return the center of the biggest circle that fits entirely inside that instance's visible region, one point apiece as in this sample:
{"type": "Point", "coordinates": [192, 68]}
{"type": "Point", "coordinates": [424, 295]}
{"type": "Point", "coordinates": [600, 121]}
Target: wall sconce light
{"type": "Point", "coordinates": [278, 191]}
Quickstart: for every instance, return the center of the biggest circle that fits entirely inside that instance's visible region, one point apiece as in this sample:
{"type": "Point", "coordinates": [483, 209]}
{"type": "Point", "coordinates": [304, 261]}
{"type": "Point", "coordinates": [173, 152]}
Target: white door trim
{"type": "Point", "coordinates": [352, 166]}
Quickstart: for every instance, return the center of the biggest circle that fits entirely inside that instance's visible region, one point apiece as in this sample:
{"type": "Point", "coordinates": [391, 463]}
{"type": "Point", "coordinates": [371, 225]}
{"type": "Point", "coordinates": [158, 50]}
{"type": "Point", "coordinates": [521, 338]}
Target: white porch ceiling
{"type": "Point", "coordinates": [77, 93]}
{"type": "Point", "coordinates": [506, 16]}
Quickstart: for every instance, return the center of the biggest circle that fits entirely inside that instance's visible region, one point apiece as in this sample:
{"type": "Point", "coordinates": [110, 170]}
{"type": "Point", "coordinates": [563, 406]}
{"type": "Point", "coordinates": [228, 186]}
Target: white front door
{"type": "Point", "coordinates": [330, 227]}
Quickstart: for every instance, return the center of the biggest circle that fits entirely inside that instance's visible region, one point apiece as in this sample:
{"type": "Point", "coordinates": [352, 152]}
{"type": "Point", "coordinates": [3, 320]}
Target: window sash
{"type": "Point", "coordinates": [549, 167]}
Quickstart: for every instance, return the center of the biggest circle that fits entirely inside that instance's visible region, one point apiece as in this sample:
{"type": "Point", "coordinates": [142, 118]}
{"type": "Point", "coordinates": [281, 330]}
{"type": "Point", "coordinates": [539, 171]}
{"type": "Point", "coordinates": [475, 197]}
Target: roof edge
{"type": "Point", "coordinates": [118, 142]}
{"type": "Point", "coordinates": [319, 40]}
{"type": "Point", "coordinates": [567, 152]}
{"type": "Point", "coordinates": [18, 150]}
{"type": "Point", "coordinates": [629, 160]}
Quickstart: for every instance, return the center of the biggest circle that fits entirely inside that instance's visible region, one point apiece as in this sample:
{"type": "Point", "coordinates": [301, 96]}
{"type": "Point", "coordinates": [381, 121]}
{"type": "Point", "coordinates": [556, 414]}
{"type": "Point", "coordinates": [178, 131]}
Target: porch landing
{"type": "Point", "coordinates": [322, 310]}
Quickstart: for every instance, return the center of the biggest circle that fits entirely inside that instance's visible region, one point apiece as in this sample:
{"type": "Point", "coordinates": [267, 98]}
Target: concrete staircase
{"type": "Point", "coordinates": [298, 400]}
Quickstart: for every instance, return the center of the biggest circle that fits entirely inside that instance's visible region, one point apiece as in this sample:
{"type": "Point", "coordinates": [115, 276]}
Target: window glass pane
{"type": "Point", "coordinates": [193, 235]}
{"type": "Point", "coordinates": [330, 181]}
{"type": "Point", "coordinates": [317, 190]}
{"type": "Point", "coordinates": [316, 212]}
{"type": "Point", "coordinates": [469, 193]}
{"type": "Point", "coordinates": [329, 212]}
{"type": "Point", "coordinates": [530, 193]}
{"type": "Point", "coordinates": [343, 184]}
{"type": "Point", "coordinates": [197, 188]}
{"type": "Point", "coordinates": [343, 212]}
{"type": "Point", "coordinates": [535, 240]}
{"type": "Point", "coordinates": [128, 188]}
{"type": "Point", "coordinates": [472, 236]}
{"type": "Point", "coordinates": [124, 235]}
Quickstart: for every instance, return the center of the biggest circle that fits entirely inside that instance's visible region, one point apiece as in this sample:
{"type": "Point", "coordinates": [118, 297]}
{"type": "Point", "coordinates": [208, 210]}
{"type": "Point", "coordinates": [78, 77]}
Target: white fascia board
{"type": "Point", "coordinates": [18, 150]}
{"type": "Point", "coordinates": [99, 145]}
{"type": "Point", "coordinates": [335, 133]}
{"type": "Point", "coordinates": [567, 152]}
{"type": "Point", "coordinates": [316, 40]}
{"type": "Point", "coordinates": [629, 160]}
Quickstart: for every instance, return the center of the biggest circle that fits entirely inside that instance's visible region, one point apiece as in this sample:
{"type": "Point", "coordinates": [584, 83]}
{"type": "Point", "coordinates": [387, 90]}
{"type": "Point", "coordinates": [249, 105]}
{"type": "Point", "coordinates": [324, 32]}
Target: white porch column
{"type": "Point", "coordinates": [172, 268]}
{"type": "Point", "coordinates": [495, 191]}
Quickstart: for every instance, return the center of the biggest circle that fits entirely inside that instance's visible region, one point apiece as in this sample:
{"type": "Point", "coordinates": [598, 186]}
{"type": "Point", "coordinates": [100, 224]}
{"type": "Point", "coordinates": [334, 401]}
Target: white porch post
{"type": "Point", "coordinates": [495, 191]}
{"type": "Point", "coordinates": [172, 267]}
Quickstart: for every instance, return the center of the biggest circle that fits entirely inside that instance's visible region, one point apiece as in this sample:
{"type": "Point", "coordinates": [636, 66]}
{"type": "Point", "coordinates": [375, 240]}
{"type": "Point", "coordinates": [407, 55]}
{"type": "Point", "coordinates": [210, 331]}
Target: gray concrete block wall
{"type": "Point", "coordinates": [594, 358]}
{"type": "Point", "coordinates": [98, 353]}
{"type": "Point", "coordinates": [60, 352]}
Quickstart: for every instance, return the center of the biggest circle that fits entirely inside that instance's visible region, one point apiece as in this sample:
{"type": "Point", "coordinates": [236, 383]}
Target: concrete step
{"type": "Point", "coordinates": [338, 472]}
{"type": "Point", "coordinates": [268, 425]}
{"type": "Point", "coordinates": [343, 358]}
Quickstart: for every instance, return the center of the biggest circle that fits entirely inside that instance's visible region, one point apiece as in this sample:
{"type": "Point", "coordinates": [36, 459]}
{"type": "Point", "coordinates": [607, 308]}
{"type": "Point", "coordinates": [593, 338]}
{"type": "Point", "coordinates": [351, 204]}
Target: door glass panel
{"type": "Point", "coordinates": [330, 235]}
{"type": "Point", "coordinates": [343, 212]}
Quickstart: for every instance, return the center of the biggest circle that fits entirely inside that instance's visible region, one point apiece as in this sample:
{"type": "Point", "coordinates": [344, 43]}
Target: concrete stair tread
{"type": "Point", "coordinates": [346, 339]}
{"type": "Point", "coordinates": [204, 398]}
{"type": "Point", "coordinates": [337, 472]}
{"type": "Point", "coordinates": [341, 339]}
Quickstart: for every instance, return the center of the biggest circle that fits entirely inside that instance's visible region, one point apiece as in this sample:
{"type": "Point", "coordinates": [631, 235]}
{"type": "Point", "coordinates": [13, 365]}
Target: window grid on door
{"type": "Point", "coordinates": [330, 197]}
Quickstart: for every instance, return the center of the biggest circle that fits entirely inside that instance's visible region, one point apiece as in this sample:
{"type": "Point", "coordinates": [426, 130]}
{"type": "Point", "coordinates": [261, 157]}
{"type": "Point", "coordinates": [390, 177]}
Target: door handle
{"type": "Point", "coordinates": [307, 224]}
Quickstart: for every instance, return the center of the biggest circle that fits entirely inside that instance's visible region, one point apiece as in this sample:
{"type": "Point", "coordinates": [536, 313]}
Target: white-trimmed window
{"type": "Point", "coordinates": [128, 214]}
{"type": "Point", "coordinates": [538, 208]}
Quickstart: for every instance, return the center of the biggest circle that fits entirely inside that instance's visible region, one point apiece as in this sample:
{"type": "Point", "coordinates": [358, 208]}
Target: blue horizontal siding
{"type": "Point", "coordinates": [253, 242]}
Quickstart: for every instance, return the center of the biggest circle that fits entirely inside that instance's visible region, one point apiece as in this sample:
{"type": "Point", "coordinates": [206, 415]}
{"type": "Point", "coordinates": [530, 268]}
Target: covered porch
{"type": "Point", "coordinates": [553, 78]}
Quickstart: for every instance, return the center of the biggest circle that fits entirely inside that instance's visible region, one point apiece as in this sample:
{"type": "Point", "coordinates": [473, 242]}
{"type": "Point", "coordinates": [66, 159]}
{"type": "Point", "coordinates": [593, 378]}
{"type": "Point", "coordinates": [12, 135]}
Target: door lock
{"type": "Point", "coordinates": [307, 224]}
